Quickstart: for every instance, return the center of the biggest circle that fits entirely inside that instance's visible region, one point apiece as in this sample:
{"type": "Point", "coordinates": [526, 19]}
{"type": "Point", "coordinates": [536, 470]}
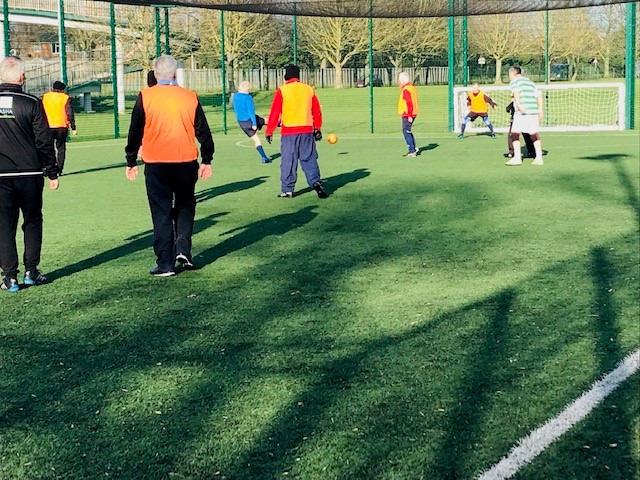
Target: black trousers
{"type": "Point", "coordinates": [20, 195]}
{"type": "Point", "coordinates": [60, 143]}
{"type": "Point", "coordinates": [531, 150]}
{"type": "Point", "coordinates": [172, 201]}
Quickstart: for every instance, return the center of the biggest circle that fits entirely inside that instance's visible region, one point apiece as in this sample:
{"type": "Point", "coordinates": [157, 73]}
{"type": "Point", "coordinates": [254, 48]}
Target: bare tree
{"type": "Point", "coordinates": [335, 40]}
{"type": "Point", "coordinates": [608, 26]}
{"type": "Point", "coordinates": [499, 37]}
{"type": "Point", "coordinates": [418, 38]}
{"type": "Point", "coordinates": [570, 37]}
{"type": "Point", "coordinates": [244, 34]}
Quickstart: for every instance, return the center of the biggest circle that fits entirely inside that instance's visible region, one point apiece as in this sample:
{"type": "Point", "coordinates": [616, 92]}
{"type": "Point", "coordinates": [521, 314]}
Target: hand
{"type": "Point", "coordinates": [540, 115]}
{"type": "Point", "coordinates": [410, 119]}
{"type": "Point", "coordinates": [317, 135]}
{"type": "Point", "coordinates": [54, 184]}
{"type": "Point", "coordinates": [132, 173]}
{"type": "Point", "coordinates": [254, 127]}
{"type": "Point", "coordinates": [74, 132]}
{"type": "Point", "coordinates": [205, 171]}
{"type": "Point", "coordinates": [269, 138]}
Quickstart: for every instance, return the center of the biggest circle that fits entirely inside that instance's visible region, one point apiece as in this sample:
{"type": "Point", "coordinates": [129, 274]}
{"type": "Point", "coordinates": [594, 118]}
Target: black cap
{"type": "Point", "coordinates": [291, 71]}
{"type": "Point", "coordinates": [58, 85]}
{"type": "Point", "coordinates": [151, 78]}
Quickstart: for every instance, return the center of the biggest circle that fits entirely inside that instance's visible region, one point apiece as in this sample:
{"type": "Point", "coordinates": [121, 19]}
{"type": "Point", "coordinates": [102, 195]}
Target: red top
{"type": "Point", "coordinates": [278, 107]}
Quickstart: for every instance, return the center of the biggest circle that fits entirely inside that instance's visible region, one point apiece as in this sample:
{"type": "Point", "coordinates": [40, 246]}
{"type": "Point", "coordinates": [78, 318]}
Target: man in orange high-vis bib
{"type": "Point", "coordinates": [296, 109]}
{"type": "Point", "coordinates": [57, 106]}
{"type": "Point", "coordinates": [166, 120]}
{"type": "Point", "coordinates": [478, 103]}
{"type": "Point", "coordinates": [408, 110]}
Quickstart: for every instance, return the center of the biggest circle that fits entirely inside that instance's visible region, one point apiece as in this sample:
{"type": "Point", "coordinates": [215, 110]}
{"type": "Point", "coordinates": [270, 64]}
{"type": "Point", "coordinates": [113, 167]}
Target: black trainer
{"type": "Point", "coordinates": [159, 272]}
{"type": "Point", "coordinates": [9, 284]}
{"type": "Point", "coordinates": [186, 261]}
{"type": "Point", "coordinates": [319, 188]}
{"type": "Point", "coordinates": [34, 277]}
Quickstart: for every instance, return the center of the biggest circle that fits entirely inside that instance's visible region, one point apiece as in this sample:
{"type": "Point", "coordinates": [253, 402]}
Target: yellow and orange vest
{"type": "Point", "coordinates": [54, 107]}
{"type": "Point", "coordinates": [169, 132]}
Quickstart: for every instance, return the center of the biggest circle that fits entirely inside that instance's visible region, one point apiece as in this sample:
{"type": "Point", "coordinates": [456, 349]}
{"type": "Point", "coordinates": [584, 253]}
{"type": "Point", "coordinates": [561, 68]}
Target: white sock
{"type": "Point", "coordinates": [538, 146]}
{"type": "Point", "coordinates": [517, 154]}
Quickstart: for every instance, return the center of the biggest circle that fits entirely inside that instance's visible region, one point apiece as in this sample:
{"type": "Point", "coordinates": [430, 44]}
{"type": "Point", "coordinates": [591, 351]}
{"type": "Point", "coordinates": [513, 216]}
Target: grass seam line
{"type": "Point", "coordinates": [528, 448]}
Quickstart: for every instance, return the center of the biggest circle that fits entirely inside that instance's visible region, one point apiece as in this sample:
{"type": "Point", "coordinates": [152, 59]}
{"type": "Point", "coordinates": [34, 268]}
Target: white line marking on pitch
{"type": "Point", "coordinates": [537, 441]}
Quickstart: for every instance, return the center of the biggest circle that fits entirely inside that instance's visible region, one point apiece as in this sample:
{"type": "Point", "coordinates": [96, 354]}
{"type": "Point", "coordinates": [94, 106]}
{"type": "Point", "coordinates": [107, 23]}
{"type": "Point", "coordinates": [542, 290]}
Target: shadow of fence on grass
{"type": "Point", "coordinates": [93, 377]}
{"type": "Point", "coordinates": [232, 187]}
{"type": "Point", "coordinates": [134, 244]}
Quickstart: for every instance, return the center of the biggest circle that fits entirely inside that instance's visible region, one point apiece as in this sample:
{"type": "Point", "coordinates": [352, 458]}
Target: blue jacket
{"type": "Point", "coordinates": [244, 108]}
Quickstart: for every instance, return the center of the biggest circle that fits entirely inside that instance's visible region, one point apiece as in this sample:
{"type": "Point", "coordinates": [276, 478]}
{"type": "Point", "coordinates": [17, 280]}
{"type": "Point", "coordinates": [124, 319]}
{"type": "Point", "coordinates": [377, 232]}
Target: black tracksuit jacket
{"type": "Point", "coordinates": [26, 146]}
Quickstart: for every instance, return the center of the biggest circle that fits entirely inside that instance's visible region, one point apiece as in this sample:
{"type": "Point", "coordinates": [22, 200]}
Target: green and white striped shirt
{"type": "Point", "coordinates": [528, 94]}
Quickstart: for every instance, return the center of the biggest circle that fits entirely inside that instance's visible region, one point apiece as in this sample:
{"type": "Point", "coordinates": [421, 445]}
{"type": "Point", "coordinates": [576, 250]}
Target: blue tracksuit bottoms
{"type": "Point", "coordinates": [293, 148]}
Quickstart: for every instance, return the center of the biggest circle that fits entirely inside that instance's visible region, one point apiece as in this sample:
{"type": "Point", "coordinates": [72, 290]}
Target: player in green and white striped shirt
{"type": "Point", "coordinates": [527, 101]}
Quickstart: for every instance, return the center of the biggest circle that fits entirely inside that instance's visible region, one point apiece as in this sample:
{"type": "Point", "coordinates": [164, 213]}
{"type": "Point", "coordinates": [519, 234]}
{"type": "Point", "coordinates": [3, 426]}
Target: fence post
{"type": "Point", "coordinates": [371, 65]}
{"type": "Point", "coordinates": [114, 74]}
{"type": "Point", "coordinates": [224, 74]}
{"type": "Point", "coordinates": [451, 64]}
{"type": "Point", "coordinates": [5, 25]}
{"type": "Point", "coordinates": [62, 39]}
{"type": "Point", "coordinates": [156, 11]}
{"type": "Point", "coordinates": [167, 45]}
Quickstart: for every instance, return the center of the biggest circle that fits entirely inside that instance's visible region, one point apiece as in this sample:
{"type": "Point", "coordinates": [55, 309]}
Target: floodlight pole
{"type": "Point", "coordinates": [62, 39]}
{"type": "Point", "coordinates": [546, 48]}
{"type": "Point", "coordinates": [114, 68]}
{"type": "Point", "coordinates": [224, 74]}
{"type": "Point", "coordinates": [5, 25]}
{"type": "Point", "coordinates": [371, 65]}
{"type": "Point", "coordinates": [167, 45]}
{"type": "Point", "coordinates": [156, 11]}
{"type": "Point", "coordinates": [451, 64]}
{"type": "Point", "coordinates": [629, 64]}
{"type": "Point", "coordinates": [465, 47]}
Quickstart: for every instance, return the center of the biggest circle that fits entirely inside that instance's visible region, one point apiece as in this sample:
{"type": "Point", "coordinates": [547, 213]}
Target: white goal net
{"type": "Point", "coordinates": [567, 107]}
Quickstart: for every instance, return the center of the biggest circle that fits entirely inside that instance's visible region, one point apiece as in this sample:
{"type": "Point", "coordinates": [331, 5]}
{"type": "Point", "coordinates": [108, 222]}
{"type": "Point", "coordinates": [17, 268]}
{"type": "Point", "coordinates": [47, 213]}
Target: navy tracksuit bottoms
{"type": "Point", "coordinates": [293, 148]}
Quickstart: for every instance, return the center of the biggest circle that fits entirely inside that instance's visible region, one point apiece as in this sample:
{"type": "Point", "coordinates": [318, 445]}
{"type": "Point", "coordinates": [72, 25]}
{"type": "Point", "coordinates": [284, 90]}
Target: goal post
{"type": "Point", "coordinates": [567, 107]}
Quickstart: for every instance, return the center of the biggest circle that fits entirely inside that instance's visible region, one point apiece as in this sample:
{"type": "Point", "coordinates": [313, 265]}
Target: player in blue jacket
{"type": "Point", "coordinates": [249, 122]}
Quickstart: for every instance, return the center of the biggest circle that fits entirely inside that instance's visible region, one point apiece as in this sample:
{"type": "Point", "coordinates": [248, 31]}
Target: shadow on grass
{"type": "Point", "coordinates": [624, 178]}
{"type": "Point", "coordinates": [134, 244]}
{"type": "Point", "coordinates": [97, 169]}
{"type": "Point", "coordinates": [332, 184]}
{"type": "Point", "coordinates": [255, 232]}
{"type": "Point", "coordinates": [160, 384]}
{"type": "Point", "coordinates": [426, 148]}
{"type": "Point", "coordinates": [212, 192]}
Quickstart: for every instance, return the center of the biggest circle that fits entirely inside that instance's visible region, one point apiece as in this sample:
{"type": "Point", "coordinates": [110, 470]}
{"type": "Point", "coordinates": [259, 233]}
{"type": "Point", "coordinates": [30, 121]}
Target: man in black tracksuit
{"type": "Point", "coordinates": [26, 152]}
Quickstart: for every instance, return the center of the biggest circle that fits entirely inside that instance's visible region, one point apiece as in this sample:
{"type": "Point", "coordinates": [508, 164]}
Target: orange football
{"type": "Point", "coordinates": [332, 138]}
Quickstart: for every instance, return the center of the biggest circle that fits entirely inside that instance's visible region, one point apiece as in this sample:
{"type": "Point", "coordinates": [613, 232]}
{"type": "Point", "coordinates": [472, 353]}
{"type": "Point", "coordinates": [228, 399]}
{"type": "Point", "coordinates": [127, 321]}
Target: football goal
{"type": "Point", "coordinates": [567, 107]}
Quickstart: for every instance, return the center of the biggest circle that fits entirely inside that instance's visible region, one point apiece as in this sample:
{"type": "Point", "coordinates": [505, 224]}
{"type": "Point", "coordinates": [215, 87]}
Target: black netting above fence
{"type": "Point", "coordinates": [379, 8]}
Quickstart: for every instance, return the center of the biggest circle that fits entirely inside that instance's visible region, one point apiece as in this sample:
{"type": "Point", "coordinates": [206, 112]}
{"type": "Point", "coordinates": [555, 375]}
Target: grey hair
{"type": "Point", "coordinates": [243, 85]}
{"type": "Point", "coordinates": [12, 69]}
{"type": "Point", "coordinates": [403, 77]}
{"type": "Point", "coordinates": [165, 67]}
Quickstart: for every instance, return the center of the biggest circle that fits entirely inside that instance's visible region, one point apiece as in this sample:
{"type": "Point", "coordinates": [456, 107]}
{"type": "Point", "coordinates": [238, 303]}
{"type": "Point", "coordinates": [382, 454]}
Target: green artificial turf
{"type": "Point", "coordinates": [416, 324]}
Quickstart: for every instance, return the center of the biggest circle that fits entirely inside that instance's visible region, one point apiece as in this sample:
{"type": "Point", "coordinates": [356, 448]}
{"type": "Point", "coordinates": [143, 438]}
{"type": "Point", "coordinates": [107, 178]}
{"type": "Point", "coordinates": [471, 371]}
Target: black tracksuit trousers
{"type": "Point", "coordinates": [21, 194]}
{"type": "Point", "coordinates": [172, 201]}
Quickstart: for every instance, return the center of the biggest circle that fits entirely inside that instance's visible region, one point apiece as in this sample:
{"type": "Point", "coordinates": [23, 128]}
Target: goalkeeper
{"type": "Point", "coordinates": [478, 103]}
{"type": "Point", "coordinates": [531, 151]}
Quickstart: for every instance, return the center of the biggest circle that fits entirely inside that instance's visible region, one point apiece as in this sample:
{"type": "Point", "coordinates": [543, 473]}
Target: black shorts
{"type": "Point", "coordinates": [473, 115]}
{"type": "Point", "coordinates": [247, 128]}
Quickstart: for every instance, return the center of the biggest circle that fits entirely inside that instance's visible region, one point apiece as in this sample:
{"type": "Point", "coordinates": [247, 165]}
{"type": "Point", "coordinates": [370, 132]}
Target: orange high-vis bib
{"type": "Point", "coordinates": [402, 103]}
{"type": "Point", "coordinates": [296, 104]}
{"type": "Point", "coordinates": [478, 103]}
{"type": "Point", "coordinates": [54, 107]}
{"type": "Point", "coordinates": [169, 131]}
